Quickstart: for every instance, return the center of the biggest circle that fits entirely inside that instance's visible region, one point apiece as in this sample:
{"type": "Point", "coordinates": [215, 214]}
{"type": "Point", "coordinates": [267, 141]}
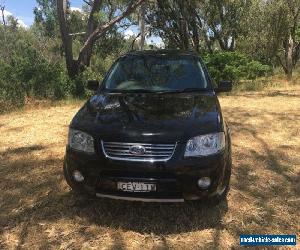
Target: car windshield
{"type": "Point", "coordinates": [156, 74]}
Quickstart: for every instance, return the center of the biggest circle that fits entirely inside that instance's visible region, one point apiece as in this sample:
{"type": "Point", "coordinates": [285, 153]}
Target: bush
{"type": "Point", "coordinates": [78, 85]}
{"type": "Point", "coordinates": [26, 71]}
{"type": "Point", "coordinates": [33, 65]}
{"type": "Point", "coordinates": [45, 81]}
{"type": "Point", "coordinates": [49, 81]}
{"type": "Point", "coordinates": [234, 66]}
{"type": "Point", "coordinates": [11, 90]}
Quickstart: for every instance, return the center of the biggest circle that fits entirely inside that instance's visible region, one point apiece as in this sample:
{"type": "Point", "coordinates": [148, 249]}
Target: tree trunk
{"type": "Point", "coordinates": [232, 44]}
{"type": "Point", "coordinates": [72, 66]}
{"type": "Point", "coordinates": [94, 32]}
{"type": "Point", "coordinates": [289, 58]}
{"type": "Point", "coordinates": [102, 29]}
{"type": "Point", "coordinates": [91, 26]}
{"type": "Point", "coordinates": [184, 36]}
{"type": "Point", "coordinates": [142, 25]}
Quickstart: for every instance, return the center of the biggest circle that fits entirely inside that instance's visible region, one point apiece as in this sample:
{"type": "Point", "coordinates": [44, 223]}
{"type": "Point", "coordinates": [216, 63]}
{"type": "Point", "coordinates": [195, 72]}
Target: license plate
{"type": "Point", "coordinates": [136, 187]}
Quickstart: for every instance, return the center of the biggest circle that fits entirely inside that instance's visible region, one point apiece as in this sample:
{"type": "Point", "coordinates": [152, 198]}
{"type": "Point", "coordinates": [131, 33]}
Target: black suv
{"type": "Point", "coordinates": [153, 131]}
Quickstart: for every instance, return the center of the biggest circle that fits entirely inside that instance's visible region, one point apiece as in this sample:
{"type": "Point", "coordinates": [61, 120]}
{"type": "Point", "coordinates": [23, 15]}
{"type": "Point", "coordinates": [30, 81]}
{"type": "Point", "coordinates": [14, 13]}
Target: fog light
{"type": "Point", "coordinates": [204, 182]}
{"type": "Point", "coordinates": [78, 176]}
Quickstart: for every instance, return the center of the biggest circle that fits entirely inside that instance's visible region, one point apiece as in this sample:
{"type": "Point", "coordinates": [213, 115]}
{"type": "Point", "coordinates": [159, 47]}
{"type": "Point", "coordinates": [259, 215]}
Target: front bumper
{"type": "Point", "coordinates": [176, 179]}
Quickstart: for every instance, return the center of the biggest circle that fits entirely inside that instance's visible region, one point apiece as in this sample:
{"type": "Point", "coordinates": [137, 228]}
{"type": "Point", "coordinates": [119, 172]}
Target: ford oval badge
{"type": "Point", "coordinates": [137, 150]}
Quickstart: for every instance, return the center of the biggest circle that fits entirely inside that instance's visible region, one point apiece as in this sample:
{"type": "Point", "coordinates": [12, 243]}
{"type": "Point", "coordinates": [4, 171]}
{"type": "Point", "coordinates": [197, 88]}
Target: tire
{"type": "Point", "coordinates": [76, 187]}
{"type": "Point", "coordinates": [222, 193]}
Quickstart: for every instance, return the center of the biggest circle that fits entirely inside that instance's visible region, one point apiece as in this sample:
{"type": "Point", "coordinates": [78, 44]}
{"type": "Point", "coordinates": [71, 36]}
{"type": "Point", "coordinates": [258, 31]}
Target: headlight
{"type": "Point", "coordinates": [204, 145]}
{"type": "Point", "coordinates": [81, 141]}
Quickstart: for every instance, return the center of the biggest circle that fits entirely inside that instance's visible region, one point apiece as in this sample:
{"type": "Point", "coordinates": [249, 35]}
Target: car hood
{"type": "Point", "coordinates": [147, 117]}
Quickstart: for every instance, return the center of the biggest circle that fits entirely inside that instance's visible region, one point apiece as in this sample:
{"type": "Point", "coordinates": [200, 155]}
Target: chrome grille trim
{"type": "Point", "coordinates": [137, 198]}
{"type": "Point", "coordinates": [154, 152]}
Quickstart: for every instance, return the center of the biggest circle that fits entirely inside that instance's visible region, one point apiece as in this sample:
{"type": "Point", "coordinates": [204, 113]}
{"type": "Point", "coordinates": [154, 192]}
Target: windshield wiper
{"type": "Point", "coordinates": [131, 90]}
{"type": "Point", "coordinates": [193, 89]}
{"type": "Point", "coordinates": [156, 91]}
{"type": "Point", "coordinates": [187, 90]}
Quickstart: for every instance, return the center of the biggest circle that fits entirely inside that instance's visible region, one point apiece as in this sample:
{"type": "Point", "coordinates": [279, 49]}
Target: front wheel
{"type": "Point", "coordinates": [223, 190]}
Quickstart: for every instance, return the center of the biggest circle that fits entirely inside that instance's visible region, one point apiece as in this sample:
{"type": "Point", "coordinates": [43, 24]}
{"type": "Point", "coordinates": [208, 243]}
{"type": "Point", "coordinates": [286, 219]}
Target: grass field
{"type": "Point", "coordinates": [38, 210]}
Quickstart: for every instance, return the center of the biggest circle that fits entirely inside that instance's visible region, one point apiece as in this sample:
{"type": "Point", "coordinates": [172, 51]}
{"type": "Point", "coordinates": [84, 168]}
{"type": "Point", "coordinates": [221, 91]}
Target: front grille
{"type": "Point", "coordinates": [151, 152]}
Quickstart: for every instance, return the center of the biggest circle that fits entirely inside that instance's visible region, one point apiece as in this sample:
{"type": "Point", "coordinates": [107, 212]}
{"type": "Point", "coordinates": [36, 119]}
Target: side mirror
{"type": "Point", "coordinates": [224, 86]}
{"type": "Point", "coordinates": [93, 85]}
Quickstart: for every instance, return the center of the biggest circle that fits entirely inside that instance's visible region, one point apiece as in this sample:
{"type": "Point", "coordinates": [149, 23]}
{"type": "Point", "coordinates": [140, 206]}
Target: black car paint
{"type": "Point", "coordinates": [150, 118]}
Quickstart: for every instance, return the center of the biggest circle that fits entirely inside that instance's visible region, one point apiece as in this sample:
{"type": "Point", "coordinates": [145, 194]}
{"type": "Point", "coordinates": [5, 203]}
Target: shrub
{"type": "Point", "coordinates": [78, 85]}
{"type": "Point", "coordinates": [21, 79]}
{"type": "Point", "coordinates": [25, 71]}
{"type": "Point", "coordinates": [234, 66]}
{"type": "Point", "coordinates": [11, 90]}
{"type": "Point", "coordinates": [49, 81]}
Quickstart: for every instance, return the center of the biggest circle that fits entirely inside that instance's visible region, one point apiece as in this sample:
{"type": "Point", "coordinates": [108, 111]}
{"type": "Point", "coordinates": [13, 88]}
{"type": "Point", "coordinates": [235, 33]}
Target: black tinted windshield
{"type": "Point", "coordinates": [153, 73]}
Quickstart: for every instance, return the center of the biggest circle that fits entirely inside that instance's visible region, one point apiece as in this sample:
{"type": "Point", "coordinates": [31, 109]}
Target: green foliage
{"type": "Point", "coordinates": [78, 85]}
{"type": "Point", "coordinates": [27, 71]}
{"type": "Point", "coordinates": [11, 90]}
{"type": "Point", "coordinates": [77, 21]}
{"type": "Point", "coordinates": [234, 66]}
{"type": "Point", "coordinates": [22, 78]}
{"type": "Point", "coordinates": [46, 17]}
{"type": "Point", "coordinates": [254, 69]}
{"type": "Point", "coordinates": [32, 63]}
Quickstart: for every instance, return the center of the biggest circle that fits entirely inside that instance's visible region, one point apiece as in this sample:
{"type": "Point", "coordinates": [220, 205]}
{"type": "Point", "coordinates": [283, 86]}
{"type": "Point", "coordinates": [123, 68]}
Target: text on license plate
{"type": "Point", "coordinates": [136, 187]}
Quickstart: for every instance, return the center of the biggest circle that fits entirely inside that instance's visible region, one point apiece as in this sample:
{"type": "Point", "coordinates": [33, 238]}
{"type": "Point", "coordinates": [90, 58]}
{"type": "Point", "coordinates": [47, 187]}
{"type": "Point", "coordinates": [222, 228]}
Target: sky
{"type": "Point", "coordinates": [23, 10]}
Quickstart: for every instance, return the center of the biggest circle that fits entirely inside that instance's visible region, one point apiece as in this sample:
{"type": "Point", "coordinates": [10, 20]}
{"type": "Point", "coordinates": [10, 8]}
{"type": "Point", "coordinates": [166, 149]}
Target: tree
{"type": "Point", "coordinates": [191, 23]}
{"type": "Point", "coordinates": [260, 37]}
{"type": "Point", "coordinates": [225, 20]}
{"type": "Point", "coordinates": [45, 15]}
{"type": "Point", "coordinates": [95, 29]}
{"type": "Point", "coordinates": [177, 22]}
{"type": "Point", "coordinates": [290, 48]}
{"type": "Point", "coordinates": [275, 33]}
{"type": "Point", "coordinates": [12, 23]}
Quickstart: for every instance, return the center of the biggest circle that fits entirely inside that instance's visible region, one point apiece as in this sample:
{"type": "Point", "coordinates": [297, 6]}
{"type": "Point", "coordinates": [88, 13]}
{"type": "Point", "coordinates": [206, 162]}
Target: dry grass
{"type": "Point", "coordinates": [37, 209]}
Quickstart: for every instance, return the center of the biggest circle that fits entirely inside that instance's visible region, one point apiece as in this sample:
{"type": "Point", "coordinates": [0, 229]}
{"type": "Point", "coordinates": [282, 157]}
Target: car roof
{"type": "Point", "coordinates": [161, 52]}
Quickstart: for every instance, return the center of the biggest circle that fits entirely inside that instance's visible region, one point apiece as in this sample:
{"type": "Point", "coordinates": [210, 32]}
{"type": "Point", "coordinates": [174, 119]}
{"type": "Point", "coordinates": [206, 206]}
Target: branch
{"type": "Point", "coordinates": [88, 3]}
{"type": "Point", "coordinates": [131, 7]}
{"type": "Point", "coordinates": [134, 40]}
{"type": "Point", "coordinates": [2, 12]}
{"type": "Point", "coordinates": [101, 29]}
{"type": "Point", "coordinates": [77, 34]}
{"type": "Point", "coordinates": [124, 26]}
{"type": "Point", "coordinates": [112, 11]}
{"type": "Point", "coordinates": [91, 26]}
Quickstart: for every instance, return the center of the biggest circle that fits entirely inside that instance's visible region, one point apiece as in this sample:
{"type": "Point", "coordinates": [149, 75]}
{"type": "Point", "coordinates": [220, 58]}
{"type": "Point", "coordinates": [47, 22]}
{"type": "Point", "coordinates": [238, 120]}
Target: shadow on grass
{"type": "Point", "coordinates": [270, 157]}
{"type": "Point", "coordinates": [33, 192]}
{"type": "Point", "coordinates": [22, 150]}
{"type": "Point", "coordinates": [154, 218]}
{"type": "Point", "coordinates": [267, 159]}
{"type": "Point", "coordinates": [257, 94]}
{"type": "Point", "coordinates": [134, 216]}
